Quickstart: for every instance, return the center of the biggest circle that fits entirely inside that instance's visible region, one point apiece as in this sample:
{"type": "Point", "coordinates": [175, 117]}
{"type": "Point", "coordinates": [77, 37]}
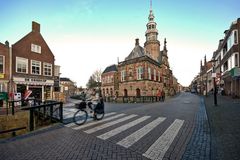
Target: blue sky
{"type": "Point", "coordinates": [86, 35]}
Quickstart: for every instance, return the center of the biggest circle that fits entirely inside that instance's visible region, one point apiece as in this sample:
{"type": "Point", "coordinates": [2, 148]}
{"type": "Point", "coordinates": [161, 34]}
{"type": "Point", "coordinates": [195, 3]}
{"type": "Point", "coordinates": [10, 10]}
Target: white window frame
{"type": "Point", "coordinates": [3, 64]}
{"type": "Point", "coordinates": [236, 60]}
{"type": "Point", "coordinates": [25, 60]}
{"type": "Point", "coordinates": [36, 48]}
{"type": "Point", "coordinates": [40, 67]}
{"type": "Point", "coordinates": [159, 76]}
{"type": "Point", "coordinates": [44, 67]}
{"type": "Point", "coordinates": [234, 36]}
{"type": "Point", "coordinates": [149, 73]}
{"type": "Point", "coordinates": [123, 75]}
{"type": "Point", "coordinates": [140, 73]}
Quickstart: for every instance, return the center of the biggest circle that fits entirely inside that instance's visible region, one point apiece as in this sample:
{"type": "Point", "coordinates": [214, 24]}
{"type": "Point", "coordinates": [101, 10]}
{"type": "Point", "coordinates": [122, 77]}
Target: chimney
{"type": "Point", "coordinates": [7, 43]}
{"type": "Point", "coordinates": [137, 42]}
{"type": "Point", "coordinates": [35, 27]}
{"type": "Point", "coordinates": [226, 32]}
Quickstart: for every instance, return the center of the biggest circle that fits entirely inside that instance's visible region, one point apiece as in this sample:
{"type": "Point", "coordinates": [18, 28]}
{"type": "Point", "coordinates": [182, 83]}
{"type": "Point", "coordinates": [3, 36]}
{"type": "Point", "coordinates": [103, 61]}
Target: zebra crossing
{"type": "Point", "coordinates": [156, 151]}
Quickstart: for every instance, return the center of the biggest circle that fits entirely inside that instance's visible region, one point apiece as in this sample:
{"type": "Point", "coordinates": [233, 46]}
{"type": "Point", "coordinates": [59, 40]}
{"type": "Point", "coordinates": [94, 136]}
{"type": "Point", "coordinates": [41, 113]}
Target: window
{"type": "Point", "coordinates": [225, 66]}
{"type": "Point", "coordinates": [149, 73]}
{"type": "Point", "coordinates": [2, 64]}
{"type": "Point", "coordinates": [232, 40]}
{"type": "Point", "coordinates": [21, 65]}
{"type": "Point", "coordinates": [111, 78]}
{"type": "Point", "coordinates": [47, 67]}
{"type": "Point", "coordinates": [236, 60]}
{"type": "Point", "coordinates": [123, 75]}
{"type": "Point", "coordinates": [36, 67]}
{"type": "Point", "coordinates": [158, 76]}
{"type": "Point", "coordinates": [140, 73]}
{"type": "Point", "coordinates": [154, 75]}
{"type": "Point", "coordinates": [36, 48]}
{"type": "Point", "coordinates": [235, 37]}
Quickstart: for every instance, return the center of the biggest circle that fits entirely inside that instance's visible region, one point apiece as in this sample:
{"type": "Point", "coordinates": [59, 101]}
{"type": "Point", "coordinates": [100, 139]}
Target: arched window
{"type": "Point", "coordinates": [103, 92]}
{"type": "Point", "coordinates": [138, 92]}
{"type": "Point", "coordinates": [111, 92]}
{"type": "Point", "coordinates": [125, 93]}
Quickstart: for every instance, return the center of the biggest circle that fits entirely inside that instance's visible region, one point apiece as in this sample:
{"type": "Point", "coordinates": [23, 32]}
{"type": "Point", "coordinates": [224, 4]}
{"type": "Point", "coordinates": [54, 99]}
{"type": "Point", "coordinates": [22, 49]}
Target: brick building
{"type": "Point", "coordinates": [110, 81]}
{"type": "Point", "coordinates": [145, 71]}
{"type": "Point", "coordinates": [67, 87]}
{"type": "Point", "coordinates": [228, 61]}
{"type": "Point", "coordinates": [33, 65]}
{"type": "Point", "coordinates": [4, 67]}
{"type": "Point", "coordinates": [225, 64]}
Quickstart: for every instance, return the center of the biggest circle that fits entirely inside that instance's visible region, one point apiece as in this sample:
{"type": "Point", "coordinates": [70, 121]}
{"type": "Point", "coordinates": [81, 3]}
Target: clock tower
{"type": "Point", "coordinates": [152, 45]}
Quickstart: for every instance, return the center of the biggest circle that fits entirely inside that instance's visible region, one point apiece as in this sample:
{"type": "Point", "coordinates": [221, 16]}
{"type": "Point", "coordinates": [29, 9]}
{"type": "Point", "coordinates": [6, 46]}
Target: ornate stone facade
{"type": "Point", "coordinates": [145, 71]}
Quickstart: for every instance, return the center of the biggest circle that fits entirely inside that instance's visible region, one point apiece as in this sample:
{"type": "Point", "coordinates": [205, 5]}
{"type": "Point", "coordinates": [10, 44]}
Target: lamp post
{"type": "Point", "coordinates": [214, 82]}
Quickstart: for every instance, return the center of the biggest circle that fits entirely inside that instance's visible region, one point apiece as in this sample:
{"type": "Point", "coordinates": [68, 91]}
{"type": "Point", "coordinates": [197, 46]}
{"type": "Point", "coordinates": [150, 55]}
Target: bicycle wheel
{"type": "Point", "coordinates": [80, 117]}
{"type": "Point", "coordinates": [98, 115]}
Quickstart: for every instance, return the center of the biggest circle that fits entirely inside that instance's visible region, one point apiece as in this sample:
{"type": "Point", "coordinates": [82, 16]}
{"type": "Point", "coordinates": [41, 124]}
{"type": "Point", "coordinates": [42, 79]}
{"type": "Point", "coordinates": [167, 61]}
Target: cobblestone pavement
{"type": "Point", "coordinates": [139, 131]}
{"type": "Point", "coordinates": [224, 121]}
{"type": "Point", "coordinates": [199, 145]}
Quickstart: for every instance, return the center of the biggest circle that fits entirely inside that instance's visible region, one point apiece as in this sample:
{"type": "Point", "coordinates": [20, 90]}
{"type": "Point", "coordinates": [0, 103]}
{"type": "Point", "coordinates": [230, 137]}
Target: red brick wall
{"type": "Point", "coordinates": [147, 87]}
{"type": "Point", "coordinates": [22, 48]}
{"type": "Point", "coordinates": [153, 48]}
{"type": "Point", "coordinates": [4, 50]}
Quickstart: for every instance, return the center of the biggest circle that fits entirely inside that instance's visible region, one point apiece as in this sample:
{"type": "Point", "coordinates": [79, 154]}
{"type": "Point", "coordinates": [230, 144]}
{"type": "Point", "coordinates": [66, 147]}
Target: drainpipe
{"type": "Point", "coordinates": [11, 89]}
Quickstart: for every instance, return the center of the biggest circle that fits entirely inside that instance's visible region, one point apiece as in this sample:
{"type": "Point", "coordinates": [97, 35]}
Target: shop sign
{"type": "Point", "coordinates": [1, 75]}
{"type": "Point", "coordinates": [33, 81]}
{"type": "Point", "coordinates": [235, 72]}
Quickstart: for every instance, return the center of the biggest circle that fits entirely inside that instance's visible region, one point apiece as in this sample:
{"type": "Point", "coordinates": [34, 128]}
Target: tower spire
{"type": "Point", "coordinates": [150, 5]}
{"type": "Point", "coordinates": [165, 44]}
{"type": "Point", "coordinates": [152, 45]}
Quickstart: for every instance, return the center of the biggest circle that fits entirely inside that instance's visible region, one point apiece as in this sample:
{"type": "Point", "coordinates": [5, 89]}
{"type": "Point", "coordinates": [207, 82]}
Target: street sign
{"type": "Point", "coordinates": [27, 94]}
{"type": "Point", "coordinates": [214, 75]}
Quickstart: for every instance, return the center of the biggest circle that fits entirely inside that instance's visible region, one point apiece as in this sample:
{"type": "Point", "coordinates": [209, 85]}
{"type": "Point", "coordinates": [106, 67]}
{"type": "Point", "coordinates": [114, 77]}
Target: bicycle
{"type": "Point", "coordinates": [88, 106]}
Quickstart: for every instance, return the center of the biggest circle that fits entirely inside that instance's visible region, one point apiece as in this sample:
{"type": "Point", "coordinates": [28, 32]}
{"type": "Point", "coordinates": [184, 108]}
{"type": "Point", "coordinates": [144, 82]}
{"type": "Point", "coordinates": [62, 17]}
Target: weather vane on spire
{"type": "Point", "coordinates": [150, 4]}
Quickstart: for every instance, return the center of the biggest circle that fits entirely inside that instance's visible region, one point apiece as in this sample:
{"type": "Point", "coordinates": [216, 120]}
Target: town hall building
{"type": "Point", "coordinates": [145, 71]}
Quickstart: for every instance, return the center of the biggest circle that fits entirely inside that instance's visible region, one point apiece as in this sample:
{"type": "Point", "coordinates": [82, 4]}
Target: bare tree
{"type": "Point", "coordinates": [97, 75]}
{"type": "Point", "coordinates": [95, 79]}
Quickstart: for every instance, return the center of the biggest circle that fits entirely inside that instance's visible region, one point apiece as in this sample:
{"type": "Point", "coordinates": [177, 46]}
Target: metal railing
{"type": "Point", "coordinates": [133, 99]}
{"type": "Point", "coordinates": [13, 130]}
{"type": "Point", "coordinates": [51, 110]}
{"type": "Point", "coordinates": [15, 105]}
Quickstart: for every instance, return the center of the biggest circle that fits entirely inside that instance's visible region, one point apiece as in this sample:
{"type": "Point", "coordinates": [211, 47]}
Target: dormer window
{"type": "Point", "coordinates": [36, 48]}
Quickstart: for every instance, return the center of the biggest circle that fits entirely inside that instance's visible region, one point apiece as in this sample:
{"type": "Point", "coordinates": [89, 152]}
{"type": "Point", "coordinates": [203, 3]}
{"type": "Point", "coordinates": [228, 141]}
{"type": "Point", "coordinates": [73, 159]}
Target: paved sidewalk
{"type": "Point", "coordinates": [224, 121]}
{"type": "Point", "coordinates": [199, 146]}
{"type": "Point", "coordinates": [63, 143]}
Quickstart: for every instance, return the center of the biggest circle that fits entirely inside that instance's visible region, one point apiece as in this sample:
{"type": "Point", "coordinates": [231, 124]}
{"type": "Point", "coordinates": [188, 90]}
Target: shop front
{"type": "Point", "coordinates": [41, 88]}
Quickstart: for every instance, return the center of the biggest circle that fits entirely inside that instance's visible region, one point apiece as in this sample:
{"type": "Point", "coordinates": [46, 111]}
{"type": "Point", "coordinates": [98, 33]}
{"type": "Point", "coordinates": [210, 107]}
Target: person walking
{"type": "Point", "coordinates": [159, 95]}
{"type": "Point", "coordinates": [163, 95]}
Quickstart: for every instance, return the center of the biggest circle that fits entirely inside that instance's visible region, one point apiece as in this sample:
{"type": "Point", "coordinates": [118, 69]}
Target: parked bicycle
{"type": "Point", "coordinates": [86, 108]}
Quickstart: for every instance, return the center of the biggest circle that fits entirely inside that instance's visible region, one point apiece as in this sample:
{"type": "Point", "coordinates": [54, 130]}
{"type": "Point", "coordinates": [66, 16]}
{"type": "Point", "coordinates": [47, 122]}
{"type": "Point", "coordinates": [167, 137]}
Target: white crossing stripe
{"type": "Point", "coordinates": [122, 128]}
{"type": "Point", "coordinates": [73, 124]}
{"type": "Point", "coordinates": [160, 147]}
{"type": "Point", "coordinates": [109, 124]}
{"type": "Point", "coordinates": [101, 121]}
{"type": "Point", "coordinates": [134, 137]}
{"type": "Point", "coordinates": [70, 124]}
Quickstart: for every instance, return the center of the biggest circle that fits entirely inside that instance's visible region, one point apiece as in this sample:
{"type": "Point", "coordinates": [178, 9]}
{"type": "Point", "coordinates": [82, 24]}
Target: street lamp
{"type": "Point", "coordinates": [214, 82]}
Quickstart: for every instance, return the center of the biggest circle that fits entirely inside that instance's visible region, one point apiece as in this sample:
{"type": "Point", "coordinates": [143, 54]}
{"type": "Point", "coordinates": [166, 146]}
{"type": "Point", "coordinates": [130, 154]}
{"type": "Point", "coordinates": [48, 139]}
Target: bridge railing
{"type": "Point", "coordinates": [51, 110]}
